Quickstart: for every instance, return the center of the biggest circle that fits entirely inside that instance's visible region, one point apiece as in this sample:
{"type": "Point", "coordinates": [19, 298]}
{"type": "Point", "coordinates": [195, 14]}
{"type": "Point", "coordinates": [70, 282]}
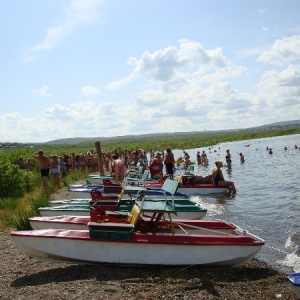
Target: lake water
{"type": "Point", "coordinates": [267, 203]}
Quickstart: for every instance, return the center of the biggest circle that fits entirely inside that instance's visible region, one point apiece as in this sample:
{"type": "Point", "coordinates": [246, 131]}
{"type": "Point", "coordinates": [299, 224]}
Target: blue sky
{"type": "Point", "coordinates": [92, 68]}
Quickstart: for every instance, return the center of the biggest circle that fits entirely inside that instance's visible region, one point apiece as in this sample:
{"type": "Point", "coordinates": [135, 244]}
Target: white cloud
{"type": "Point", "coordinates": [42, 91]}
{"type": "Point", "coordinates": [175, 64]}
{"type": "Point", "coordinates": [281, 88]}
{"type": "Point", "coordinates": [90, 90]}
{"type": "Point", "coordinates": [184, 88]}
{"type": "Point", "coordinates": [82, 11]}
{"type": "Point", "coordinates": [284, 51]}
{"type": "Point", "coordinates": [76, 111]}
{"type": "Point", "coordinates": [77, 13]}
{"type": "Point", "coordinates": [164, 65]}
{"type": "Point", "coordinates": [118, 84]}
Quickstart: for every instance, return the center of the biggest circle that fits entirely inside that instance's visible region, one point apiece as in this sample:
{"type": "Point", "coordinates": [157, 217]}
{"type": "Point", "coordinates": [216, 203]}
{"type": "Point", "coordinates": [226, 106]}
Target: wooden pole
{"type": "Point", "coordinates": [100, 159]}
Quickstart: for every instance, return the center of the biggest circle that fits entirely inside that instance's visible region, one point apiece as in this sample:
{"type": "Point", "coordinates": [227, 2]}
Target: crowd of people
{"type": "Point", "coordinates": [117, 164]}
{"type": "Point", "coordinates": [25, 164]}
{"type": "Point", "coordinates": [159, 164]}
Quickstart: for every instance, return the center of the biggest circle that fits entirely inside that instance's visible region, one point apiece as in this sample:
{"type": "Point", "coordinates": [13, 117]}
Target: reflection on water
{"type": "Point", "coordinates": [268, 194]}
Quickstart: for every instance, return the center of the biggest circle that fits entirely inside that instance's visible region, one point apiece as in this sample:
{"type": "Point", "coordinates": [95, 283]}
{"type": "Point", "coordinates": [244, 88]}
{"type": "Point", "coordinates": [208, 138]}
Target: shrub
{"type": "Point", "coordinates": [39, 201]}
{"type": "Point", "coordinates": [12, 180]}
{"type": "Point", "coordinates": [21, 221]}
{"type": "Point", "coordinates": [8, 204]}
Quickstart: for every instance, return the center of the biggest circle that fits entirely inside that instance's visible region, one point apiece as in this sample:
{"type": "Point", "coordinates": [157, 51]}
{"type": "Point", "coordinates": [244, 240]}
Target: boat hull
{"type": "Point", "coordinates": [98, 179]}
{"type": "Point", "coordinates": [81, 222]}
{"type": "Point", "coordinates": [85, 202]}
{"type": "Point", "coordinates": [76, 246]}
{"type": "Point", "coordinates": [194, 189]}
{"type": "Point", "coordinates": [78, 210]}
{"type": "Point", "coordinates": [295, 281]}
{"type": "Point", "coordinates": [84, 193]}
{"type": "Point", "coordinates": [205, 190]}
{"type": "Point", "coordinates": [60, 222]}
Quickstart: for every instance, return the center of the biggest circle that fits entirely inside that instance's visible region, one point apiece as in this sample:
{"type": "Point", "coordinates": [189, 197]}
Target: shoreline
{"type": "Point", "coordinates": [23, 277]}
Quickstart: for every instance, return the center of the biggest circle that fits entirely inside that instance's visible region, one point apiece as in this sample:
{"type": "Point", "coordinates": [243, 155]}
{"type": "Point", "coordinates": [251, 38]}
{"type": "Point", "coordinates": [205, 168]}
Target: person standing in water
{"type": "Point", "coordinates": [169, 163]}
{"type": "Point", "coordinates": [242, 158]}
{"type": "Point", "coordinates": [228, 159]}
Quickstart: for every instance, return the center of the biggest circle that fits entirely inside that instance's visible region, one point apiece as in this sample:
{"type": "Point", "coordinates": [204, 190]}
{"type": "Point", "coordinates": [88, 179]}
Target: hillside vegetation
{"type": "Point", "coordinates": [164, 141]}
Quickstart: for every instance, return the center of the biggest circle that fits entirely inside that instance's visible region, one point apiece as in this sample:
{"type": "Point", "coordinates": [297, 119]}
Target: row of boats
{"type": "Point", "coordinates": [134, 224]}
{"type": "Point", "coordinates": [141, 222]}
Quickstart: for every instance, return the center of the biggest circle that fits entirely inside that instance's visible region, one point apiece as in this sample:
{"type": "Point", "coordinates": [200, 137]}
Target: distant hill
{"type": "Point", "coordinates": [78, 140]}
{"type": "Point", "coordinates": [279, 124]}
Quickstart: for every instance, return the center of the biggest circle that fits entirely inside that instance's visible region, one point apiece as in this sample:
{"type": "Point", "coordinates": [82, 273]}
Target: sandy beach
{"type": "Point", "coordinates": [27, 278]}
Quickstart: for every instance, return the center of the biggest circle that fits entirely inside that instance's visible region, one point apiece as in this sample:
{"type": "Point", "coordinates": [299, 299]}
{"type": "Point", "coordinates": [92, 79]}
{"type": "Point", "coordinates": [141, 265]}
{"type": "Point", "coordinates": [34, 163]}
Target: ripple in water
{"type": "Point", "coordinates": [213, 210]}
{"type": "Point", "coordinates": [268, 193]}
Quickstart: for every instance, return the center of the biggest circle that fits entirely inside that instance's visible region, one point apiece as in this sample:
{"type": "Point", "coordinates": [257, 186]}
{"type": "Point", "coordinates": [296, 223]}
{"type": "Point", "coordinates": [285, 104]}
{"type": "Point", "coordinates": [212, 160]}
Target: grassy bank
{"type": "Point", "coordinates": [14, 212]}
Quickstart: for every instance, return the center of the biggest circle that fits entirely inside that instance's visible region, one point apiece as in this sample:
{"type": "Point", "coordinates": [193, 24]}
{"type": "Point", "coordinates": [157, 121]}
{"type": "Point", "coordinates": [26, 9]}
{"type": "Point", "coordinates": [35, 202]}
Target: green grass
{"type": "Point", "coordinates": [9, 204]}
{"type": "Point", "coordinates": [14, 213]}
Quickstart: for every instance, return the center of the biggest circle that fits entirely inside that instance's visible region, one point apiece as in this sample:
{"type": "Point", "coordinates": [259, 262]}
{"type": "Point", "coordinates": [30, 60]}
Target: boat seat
{"type": "Point", "coordinates": [178, 178]}
{"type": "Point", "coordinates": [139, 180]}
{"type": "Point", "coordinates": [134, 215]}
{"type": "Point", "coordinates": [113, 231]}
{"type": "Point", "coordinates": [170, 186]}
{"type": "Point", "coordinates": [111, 226]}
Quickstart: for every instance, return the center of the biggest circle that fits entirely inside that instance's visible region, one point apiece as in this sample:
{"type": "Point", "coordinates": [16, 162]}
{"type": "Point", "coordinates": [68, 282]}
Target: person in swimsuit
{"type": "Point", "coordinates": [218, 178]}
{"type": "Point", "coordinates": [143, 160]}
{"type": "Point", "coordinates": [82, 162]}
{"type": "Point", "coordinates": [228, 159]}
{"type": "Point", "coordinates": [187, 163]}
{"type": "Point", "coordinates": [201, 179]}
{"type": "Point", "coordinates": [160, 162]}
{"type": "Point", "coordinates": [169, 163]}
{"type": "Point", "coordinates": [55, 171]}
{"type": "Point", "coordinates": [242, 158]}
{"type": "Point", "coordinates": [198, 156]}
{"type": "Point", "coordinates": [44, 164]}
{"type": "Point", "coordinates": [204, 158]}
{"type": "Point", "coordinates": [118, 168]}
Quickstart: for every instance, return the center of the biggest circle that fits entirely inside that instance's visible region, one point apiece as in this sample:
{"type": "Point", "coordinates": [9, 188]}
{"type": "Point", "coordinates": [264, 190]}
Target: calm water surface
{"type": "Point", "coordinates": [268, 194]}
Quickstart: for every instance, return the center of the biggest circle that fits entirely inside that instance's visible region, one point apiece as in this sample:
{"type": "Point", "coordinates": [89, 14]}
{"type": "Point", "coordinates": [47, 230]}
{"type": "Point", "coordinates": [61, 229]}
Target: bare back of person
{"type": "Point", "coordinates": [44, 164]}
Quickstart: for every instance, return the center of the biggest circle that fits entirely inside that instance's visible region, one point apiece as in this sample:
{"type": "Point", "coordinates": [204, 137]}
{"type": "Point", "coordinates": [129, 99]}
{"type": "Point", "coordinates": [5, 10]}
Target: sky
{"type": "Point", "coordinates": [105, 68]}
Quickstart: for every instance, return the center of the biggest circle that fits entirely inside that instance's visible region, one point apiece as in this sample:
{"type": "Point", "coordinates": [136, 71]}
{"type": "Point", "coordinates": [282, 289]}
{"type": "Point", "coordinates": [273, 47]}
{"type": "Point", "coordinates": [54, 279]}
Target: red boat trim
{"type": "Point", "coordinates": [188, 240]}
